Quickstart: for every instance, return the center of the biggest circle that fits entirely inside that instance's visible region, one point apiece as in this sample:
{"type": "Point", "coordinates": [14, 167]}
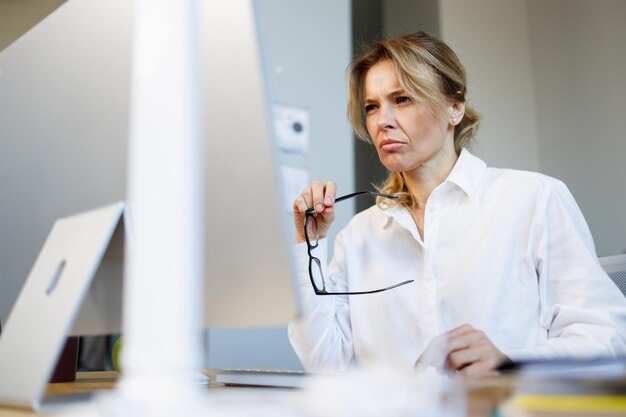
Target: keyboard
{"type": "Point", "coordinates": [261, 378]}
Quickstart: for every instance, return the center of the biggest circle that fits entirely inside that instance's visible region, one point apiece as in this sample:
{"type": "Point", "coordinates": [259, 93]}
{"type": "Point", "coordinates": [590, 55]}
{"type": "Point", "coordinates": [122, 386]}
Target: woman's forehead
{"type": "Point", "coordinates": [381, 75]}
{"type": "Point", "coordinates": [384, 76]}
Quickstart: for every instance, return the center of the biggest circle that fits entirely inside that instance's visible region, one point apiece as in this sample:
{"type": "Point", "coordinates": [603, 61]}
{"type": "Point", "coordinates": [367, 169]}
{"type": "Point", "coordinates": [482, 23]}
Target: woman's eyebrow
{"type": "Point", "coordinates": [368, 100]}
{"type": "Point", "coordinates": [396, 93]}
{"type": "Point", "coordinates": [393, 94]}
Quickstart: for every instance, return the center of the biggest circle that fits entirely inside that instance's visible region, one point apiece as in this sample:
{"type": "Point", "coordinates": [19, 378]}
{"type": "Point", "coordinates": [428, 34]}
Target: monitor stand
{"type": "Point", "coordinates": [47, 306]}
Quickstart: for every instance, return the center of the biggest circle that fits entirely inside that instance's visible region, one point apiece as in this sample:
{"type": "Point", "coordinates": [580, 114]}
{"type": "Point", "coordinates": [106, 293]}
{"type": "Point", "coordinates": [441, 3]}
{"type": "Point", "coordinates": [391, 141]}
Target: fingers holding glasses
{"type": "Point", "coordinates": [324, 196]}
{"type": "Point", "coordinates": [321, 197]}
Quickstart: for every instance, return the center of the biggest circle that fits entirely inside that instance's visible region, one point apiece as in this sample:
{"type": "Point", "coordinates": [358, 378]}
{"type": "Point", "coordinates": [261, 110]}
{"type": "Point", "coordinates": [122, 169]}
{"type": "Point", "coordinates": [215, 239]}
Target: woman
{"type": "Point", "coordinates": [502, 262]}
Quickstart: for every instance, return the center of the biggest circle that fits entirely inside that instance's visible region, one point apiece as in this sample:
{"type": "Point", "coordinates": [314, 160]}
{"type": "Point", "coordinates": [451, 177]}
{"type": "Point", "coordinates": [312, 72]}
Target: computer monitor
{"type": "Point", "coordinates": [64, 105]}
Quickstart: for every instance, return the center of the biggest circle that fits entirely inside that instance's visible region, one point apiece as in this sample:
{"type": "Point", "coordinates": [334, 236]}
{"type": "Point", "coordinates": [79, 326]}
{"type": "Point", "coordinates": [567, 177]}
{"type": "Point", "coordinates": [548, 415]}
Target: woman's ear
{"type": "Point", "coordinates": [457, 111]}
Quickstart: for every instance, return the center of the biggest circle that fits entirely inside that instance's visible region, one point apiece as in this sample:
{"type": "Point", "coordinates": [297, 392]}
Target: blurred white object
{"type": "Point", "coordinates": [383, 390]}
{"type": "Point", "coordinates": [164, 193]}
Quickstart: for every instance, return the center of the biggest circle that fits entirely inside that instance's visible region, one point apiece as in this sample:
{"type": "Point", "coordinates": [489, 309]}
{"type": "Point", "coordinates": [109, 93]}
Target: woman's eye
{"type": "Point", "coordinates": [370, 108]}
{"type": "Point", "coordinates": [403, 99]}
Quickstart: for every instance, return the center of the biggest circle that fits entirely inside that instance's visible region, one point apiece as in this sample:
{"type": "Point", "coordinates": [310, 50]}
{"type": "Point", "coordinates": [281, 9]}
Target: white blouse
{"type": "Point", "coordinates": [505, 251]}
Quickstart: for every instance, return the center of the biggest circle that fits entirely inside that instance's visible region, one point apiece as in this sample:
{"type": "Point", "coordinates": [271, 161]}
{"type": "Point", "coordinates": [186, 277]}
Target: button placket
{"type": "Point", "coordinates": [432, 222]}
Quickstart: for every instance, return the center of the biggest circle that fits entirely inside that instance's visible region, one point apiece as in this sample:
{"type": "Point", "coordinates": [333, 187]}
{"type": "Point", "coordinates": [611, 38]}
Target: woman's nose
{"type": "Point", "coordinates": [386, 118]}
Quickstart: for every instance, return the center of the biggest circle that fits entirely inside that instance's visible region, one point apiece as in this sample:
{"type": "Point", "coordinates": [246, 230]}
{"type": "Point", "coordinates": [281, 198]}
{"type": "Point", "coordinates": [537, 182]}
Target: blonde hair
{"type": "Point", "coordinates": [409, 53]}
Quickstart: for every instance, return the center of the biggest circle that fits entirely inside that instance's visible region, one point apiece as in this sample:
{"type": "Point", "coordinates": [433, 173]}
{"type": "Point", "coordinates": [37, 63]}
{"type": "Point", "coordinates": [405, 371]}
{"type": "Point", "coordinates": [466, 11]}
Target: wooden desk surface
{"type": "Point", "coordinates": [483, 399]}
{"type": "Point", "coordinates": [85, 382]}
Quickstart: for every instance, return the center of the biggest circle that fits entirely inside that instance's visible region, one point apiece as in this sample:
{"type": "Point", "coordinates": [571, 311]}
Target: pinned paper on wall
{"type": "Point", "coordinates": [295, 179]}
{"type": "Point", "coordinates": [292, 128]}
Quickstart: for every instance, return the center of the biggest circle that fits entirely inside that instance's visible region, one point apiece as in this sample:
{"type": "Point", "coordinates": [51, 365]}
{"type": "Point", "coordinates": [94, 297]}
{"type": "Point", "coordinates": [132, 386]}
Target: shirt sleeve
{"type": "Point", "coordinates": [581, 308]}
{"type": "Point", "coordinates": [322, 336]}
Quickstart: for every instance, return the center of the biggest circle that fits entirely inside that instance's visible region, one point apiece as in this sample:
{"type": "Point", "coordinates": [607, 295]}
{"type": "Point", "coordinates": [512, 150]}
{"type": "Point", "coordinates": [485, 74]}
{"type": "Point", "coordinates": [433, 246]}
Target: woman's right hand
{"type": "Point", "coordinates": [322, 197]}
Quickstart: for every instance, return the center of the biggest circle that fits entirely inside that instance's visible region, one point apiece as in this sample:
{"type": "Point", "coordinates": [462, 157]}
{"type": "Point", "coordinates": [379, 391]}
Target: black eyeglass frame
{"type": "Point", "coordinates": [309, 215]}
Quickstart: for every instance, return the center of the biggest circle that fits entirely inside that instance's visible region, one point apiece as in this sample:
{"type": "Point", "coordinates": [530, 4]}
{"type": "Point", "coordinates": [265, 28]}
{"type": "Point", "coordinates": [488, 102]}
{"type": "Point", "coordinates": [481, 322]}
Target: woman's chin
{"type": "Point", "coordinates": [394, 165]}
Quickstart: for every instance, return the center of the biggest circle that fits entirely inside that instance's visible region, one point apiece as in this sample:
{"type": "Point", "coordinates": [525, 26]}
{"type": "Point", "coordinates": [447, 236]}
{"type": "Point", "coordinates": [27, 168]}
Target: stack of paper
{"type": "Point", "coordinates": [569, 389]}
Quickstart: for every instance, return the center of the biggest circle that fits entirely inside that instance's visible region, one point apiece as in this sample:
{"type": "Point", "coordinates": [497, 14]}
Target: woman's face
{"type": "Point", "coordinates": [407, 135]}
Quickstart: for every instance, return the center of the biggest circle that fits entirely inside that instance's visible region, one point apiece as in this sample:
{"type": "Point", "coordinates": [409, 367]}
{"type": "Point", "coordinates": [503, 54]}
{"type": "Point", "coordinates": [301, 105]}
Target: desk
{"type": "Point", "coordinates": [484, 395]}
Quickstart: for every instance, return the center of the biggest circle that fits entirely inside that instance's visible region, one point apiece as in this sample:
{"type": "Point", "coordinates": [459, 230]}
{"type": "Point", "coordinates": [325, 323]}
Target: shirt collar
{"type": "Point", "coordinates": [466, 174]}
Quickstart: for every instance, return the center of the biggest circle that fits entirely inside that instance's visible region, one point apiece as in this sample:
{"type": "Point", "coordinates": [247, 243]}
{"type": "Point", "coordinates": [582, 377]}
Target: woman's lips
{"type": "Point", "coordinates": [390, 145]}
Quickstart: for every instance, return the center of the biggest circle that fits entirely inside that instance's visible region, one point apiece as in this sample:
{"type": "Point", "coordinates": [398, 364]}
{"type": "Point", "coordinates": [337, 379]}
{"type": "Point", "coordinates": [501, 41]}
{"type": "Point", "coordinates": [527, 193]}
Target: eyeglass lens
{"type": "Point", "coordinates": [316, 274]}
{"type": "Point", "coordinates": [311, 230]}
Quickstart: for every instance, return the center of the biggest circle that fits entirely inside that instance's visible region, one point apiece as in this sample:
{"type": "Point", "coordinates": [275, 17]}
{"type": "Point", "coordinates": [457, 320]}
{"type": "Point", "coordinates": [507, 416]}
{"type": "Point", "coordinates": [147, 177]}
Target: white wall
{"type": "Point", "coordinates": [579, 63]}
{"type": "Point", "coordinates": [549, 78]}
{"type": "Point", "coordinates": [491, 39]}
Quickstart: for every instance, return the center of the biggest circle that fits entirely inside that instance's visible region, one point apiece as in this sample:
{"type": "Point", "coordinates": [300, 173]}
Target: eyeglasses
{"type": "Point", "coordinates": [312, 241]}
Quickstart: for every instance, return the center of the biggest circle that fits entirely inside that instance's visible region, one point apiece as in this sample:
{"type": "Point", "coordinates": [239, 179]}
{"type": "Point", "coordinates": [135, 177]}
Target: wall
{"type": "Point", "coordinates": [580, 83]}
{"type": "Point", "coordinates": [491, 39]}
{"type": "Point", "coordinates": [402, 16]}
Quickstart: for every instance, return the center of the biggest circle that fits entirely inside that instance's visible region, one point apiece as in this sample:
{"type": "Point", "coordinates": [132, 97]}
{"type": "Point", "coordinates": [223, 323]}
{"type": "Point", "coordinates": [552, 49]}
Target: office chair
{"type": "Point", "coordinates": [615, 267]}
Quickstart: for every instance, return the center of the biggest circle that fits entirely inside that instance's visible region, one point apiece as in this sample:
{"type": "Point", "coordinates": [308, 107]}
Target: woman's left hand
{"type": "Point", "coordinates": [465, 350]}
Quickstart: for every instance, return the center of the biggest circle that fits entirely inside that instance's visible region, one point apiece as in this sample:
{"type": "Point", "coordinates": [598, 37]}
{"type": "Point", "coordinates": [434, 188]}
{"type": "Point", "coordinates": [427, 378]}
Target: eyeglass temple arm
{"type": "Point", "coordinates": [374, 193]}
{"type": "Point", "coordinates": [347, 196]}
{"type": "Point", "coordinates": [324, 292]}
